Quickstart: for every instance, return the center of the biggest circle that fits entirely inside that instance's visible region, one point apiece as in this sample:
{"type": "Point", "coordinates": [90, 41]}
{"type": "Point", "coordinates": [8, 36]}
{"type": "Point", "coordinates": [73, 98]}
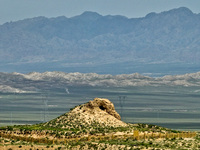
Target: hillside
{"type": "Point", "coordinates": [96, 117]}
{"type": "Point", "coordinates": [99, 112]}
{"type": "Point", "coordinates": [91, 42]}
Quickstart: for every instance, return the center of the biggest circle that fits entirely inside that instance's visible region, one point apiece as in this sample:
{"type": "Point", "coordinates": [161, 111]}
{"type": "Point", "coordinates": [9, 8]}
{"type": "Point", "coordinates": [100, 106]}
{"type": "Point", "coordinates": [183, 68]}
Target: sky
{"type": "Point", "coordinates": [14, 10]}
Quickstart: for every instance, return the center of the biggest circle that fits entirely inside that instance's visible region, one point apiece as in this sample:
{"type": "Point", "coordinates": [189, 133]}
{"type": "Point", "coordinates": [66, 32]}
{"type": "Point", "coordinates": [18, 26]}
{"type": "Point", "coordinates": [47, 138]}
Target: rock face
{"type": "Point", "coordinates": [105, 105]}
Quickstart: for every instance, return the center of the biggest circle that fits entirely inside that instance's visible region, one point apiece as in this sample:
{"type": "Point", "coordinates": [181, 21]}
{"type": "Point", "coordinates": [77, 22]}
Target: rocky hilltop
{"type": "Point", "coordinates": [96, 117]}
{"type": "Point", "coordinates": [97, 113]}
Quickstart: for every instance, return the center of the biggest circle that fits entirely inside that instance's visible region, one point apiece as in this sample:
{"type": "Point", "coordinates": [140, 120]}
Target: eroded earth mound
{"type": "Point", "coordinates": [97, 113]}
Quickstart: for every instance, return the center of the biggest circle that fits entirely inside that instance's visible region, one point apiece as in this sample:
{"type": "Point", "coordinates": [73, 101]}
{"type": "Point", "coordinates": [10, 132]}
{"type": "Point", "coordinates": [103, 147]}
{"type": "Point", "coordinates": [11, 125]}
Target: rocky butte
{"type": "Point", "coordinates": [98, 112]}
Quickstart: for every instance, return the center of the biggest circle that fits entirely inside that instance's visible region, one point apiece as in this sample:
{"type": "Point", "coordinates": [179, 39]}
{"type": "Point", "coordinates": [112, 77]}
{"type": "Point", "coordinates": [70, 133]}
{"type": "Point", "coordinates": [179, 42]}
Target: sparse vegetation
{"type": "Point", "coordinates": [72, 130]}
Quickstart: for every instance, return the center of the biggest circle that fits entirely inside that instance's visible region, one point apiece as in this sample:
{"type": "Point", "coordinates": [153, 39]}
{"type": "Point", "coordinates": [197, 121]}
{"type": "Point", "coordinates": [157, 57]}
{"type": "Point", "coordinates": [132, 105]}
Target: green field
{"type": "Point", "coordinates": [173, 107]}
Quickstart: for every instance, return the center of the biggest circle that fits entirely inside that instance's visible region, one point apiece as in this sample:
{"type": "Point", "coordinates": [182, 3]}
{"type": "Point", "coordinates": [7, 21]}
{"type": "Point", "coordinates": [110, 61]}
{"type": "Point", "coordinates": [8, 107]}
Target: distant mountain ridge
{"type": "Point", "coordinates": [35, 81]}
{"type": "Point", "coordinates": [92, 40]}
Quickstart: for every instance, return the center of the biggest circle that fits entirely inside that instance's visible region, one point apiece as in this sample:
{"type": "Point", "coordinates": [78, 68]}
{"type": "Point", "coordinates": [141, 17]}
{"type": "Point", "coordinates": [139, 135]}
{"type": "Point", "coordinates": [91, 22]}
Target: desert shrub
{"type": "Point", "coordinates": [10, 128]}
{"type": "Point", "coordinates": [166, 144]}
{"type": "Point", "coordinates": [173, 139]}
{"type": "Point", "coordinates": [6, 141]}
{"type": "Point", "coordinates": [59, 148]}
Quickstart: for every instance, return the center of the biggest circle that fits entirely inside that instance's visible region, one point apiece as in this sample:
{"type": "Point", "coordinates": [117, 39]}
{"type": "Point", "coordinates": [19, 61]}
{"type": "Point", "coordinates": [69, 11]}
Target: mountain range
{"type": "Point", "coordinates": [91, 42]}
{"type": "Point", "coordinates": [51, 81]}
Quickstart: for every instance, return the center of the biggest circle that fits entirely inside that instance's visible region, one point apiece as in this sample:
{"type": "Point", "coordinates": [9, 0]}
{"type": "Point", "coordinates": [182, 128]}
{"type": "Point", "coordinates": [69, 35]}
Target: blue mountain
{"type": "Point", "coordinates": [90, 41]}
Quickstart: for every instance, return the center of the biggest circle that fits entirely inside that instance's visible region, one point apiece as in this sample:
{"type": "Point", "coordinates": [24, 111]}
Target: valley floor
{"type": "Point", "coordinates": [107, 144]}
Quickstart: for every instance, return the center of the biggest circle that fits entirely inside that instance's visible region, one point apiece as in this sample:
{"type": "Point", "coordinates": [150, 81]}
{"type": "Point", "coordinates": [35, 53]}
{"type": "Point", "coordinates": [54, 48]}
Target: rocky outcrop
{"type": "Point", "coordinates": [105, 105]}
{"type": "Point", "coordinates": [98, 113]}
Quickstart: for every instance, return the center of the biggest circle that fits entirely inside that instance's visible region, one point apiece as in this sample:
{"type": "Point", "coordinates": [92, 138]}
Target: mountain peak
{"type": "Point", "coordinates": [181, 11]}
{"type": "Point", "coordinates": [88, 15]}
{"type": "Point", "coordinates": [184, 9]}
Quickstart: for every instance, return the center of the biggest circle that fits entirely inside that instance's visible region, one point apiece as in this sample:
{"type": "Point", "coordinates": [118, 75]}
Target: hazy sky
{"type": "Point", "coordinates": [13, 10]}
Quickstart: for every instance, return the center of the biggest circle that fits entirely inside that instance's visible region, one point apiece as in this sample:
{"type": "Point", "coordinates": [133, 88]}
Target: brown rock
{"type": "Point", "coordinates": [105, 105]}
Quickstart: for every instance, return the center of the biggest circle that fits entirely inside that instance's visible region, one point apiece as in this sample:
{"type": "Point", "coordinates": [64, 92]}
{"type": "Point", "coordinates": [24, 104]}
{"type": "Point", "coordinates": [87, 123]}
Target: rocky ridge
{"type": "Point", "coordinates": [35, 81]}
